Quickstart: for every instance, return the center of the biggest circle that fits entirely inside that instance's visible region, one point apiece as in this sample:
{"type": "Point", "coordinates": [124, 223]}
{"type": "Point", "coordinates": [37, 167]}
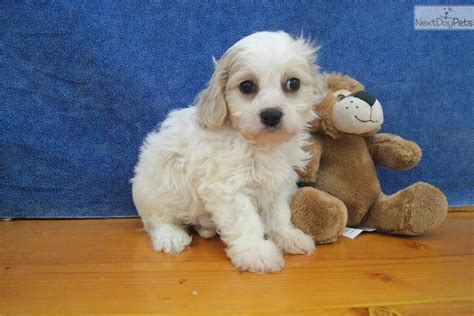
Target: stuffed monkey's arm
{"type": "Point", "coordinates": [392, 151]}
{"type": "Point", "coordinates": [307, 177]}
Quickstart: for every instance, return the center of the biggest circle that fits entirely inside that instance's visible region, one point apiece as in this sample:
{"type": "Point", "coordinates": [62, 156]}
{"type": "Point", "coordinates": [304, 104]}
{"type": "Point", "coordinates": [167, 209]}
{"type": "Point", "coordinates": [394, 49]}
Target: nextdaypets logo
{"type": "Point", "coordinates": [444, 17]}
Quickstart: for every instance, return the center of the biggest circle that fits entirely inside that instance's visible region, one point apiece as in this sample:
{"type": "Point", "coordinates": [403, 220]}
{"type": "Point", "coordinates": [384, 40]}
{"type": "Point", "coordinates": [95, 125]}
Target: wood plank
{"type": "Point", "coordinates": [107, 266]}
{"type": "Point", "coordinates": [464, 208]}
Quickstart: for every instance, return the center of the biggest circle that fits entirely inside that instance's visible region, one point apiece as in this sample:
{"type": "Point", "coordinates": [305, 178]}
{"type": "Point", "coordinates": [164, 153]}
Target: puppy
{"type": "Point", "coordinates": [226, 164]}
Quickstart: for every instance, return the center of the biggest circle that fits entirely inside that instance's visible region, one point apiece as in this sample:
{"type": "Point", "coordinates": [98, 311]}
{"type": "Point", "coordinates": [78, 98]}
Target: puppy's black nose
{"type": "Point", "coordinates": [366, 97]}
{"type": "Point", "coordinates": [271, 117]}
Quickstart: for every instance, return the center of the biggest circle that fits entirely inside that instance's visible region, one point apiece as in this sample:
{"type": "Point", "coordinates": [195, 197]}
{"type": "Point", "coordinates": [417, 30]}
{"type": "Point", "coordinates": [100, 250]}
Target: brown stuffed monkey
{"type": "Point", "coordinates": [340, 184]}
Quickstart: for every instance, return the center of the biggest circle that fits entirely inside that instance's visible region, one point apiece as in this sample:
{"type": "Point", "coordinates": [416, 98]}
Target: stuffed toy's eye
{"type": "Point", "coordinates": [341, 94]}
{"type": "Point", "coordinates": [248, 87]}
{"type": "Point", "coordinates": [292, 85]}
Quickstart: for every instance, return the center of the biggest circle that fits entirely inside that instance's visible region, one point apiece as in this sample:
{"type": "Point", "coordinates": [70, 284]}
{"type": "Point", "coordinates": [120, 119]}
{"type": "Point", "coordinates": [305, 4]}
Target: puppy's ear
{"type": "Point", "coordinates": [320, 88]}
{"type": "Point", "coordinates": [211, 105]}
{"type": "Point", "coordinates": [310, 50]}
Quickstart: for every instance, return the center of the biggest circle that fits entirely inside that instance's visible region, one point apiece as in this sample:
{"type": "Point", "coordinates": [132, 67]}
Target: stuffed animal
{"type": "Point", "coordinates": [340, 184]}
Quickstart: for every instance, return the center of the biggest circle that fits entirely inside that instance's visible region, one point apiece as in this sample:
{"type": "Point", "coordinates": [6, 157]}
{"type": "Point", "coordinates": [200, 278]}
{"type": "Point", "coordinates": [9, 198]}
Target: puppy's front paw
{"type": "Point", "coordinates": [256, 256]}
{"type": "Point", "coordinates": [169, 239]}
{"type": "Point", "coordinates": [293, 241]}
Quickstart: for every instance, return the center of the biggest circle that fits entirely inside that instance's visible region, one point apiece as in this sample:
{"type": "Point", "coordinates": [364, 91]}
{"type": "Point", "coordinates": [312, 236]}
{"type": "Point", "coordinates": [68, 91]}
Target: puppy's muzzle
{"type": "Point", "coordinates": [271, 117]}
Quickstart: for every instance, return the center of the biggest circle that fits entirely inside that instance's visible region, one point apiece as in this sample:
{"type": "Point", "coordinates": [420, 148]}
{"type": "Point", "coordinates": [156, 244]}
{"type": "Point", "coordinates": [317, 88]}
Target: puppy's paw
{"type": "Point", "coordinates": [256, 256]}
{"type": "Point", "coordinates": [169, 239]}
{"type": "Point", "coordinates": [293, 241]}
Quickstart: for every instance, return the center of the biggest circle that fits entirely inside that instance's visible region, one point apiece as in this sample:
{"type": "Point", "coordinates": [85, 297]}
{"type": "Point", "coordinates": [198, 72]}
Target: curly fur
{"type": "Point", "coordinates": [216, 167]}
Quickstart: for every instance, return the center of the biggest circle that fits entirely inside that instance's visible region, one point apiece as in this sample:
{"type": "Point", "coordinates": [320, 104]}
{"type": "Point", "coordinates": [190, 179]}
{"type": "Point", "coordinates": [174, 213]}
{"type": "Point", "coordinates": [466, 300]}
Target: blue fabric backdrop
{"type": "Point", "coordinates": [82, 83]}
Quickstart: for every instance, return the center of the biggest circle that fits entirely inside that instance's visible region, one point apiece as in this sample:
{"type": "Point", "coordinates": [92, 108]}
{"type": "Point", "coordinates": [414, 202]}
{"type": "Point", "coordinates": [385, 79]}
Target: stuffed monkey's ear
{"type": "Point", "coordinates": [324, 122]}
{"type": "Point", "coordinates": [211, 105]}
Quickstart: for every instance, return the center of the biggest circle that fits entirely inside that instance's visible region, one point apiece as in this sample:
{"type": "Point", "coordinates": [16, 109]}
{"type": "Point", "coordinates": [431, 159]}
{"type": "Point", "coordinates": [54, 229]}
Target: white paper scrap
{"type": "Point", "coordinates": [354, 232]}
{"type": "Point", "coordinates": [368, 229]}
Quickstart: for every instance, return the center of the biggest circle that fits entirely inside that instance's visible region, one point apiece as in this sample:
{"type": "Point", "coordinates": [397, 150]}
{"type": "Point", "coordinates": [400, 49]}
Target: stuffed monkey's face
{"type": "Point", "coordinates": [356, 113]}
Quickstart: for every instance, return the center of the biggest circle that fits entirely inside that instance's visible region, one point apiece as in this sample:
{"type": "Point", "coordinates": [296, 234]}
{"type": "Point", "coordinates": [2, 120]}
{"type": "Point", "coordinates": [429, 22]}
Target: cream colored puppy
{"type": "Point", "coordinates": [226, 164]}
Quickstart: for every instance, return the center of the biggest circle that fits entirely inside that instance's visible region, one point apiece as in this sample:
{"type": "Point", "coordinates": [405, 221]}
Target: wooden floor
{"type": "Point", "coordinates": [107, 266]}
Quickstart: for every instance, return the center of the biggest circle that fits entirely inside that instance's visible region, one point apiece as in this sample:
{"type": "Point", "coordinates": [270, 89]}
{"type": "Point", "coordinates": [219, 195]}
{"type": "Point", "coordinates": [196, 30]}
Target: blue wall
{"type": "Point", "coordinates": [82, 84]}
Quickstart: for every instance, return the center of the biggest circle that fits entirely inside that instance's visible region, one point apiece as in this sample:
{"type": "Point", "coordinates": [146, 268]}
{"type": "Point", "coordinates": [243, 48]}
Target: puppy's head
{"type": "Point", "coordinates": [264, 86]}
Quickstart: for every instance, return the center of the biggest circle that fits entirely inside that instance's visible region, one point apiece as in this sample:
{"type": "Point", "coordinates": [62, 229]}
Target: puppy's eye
{"type": "Point", "coordinates": [248, 87]}
{"type": "Point", "coordinates": [340, 97]}
{"type": "Point", "coordinates": [292, 85]}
